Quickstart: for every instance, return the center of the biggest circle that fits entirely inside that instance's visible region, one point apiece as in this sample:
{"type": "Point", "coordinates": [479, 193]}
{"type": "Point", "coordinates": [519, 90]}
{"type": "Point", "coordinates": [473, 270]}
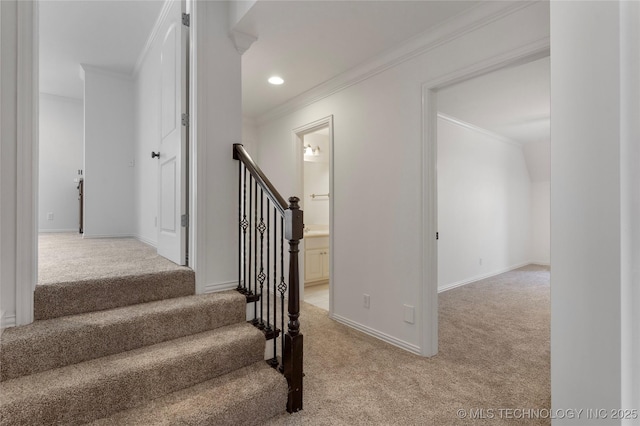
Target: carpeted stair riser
{"type": "Point", "coordinates": [83, 392]}
{"type": "Point", "coordinates": [60, 299]}
{"type": "Point", "coordinates": [248, 396]}
{"type": "Point", "coordinates": [58, 342]}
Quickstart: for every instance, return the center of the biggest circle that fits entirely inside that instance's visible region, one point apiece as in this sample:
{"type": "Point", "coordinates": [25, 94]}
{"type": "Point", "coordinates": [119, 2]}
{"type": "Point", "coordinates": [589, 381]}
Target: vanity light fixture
{"type": "Point", "coordinates": [275, 80]}
{"type": "Point", "coordinates": [316, 151]}
{"type": "Point", "coordinates": [308, 150]}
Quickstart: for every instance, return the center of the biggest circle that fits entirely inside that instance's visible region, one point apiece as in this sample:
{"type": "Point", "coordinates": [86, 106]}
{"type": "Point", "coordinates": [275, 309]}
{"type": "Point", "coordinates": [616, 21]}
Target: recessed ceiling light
{"type": "Point", "coordinates": [276, 80]}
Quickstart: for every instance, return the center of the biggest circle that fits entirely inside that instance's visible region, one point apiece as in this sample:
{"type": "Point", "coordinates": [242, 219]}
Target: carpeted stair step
{"type": "Point", "coordinates": [248, 396]}
{"type": "Point", "coordinates": [69, 298]}
{"type": "Point", "coordinates": [98, 388]}
{"type": "Point", "coordinates": [48, 344]}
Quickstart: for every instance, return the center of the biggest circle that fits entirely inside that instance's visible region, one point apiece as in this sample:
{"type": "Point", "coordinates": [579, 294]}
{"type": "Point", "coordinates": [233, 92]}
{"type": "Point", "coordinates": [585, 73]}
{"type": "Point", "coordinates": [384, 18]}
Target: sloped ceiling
{"type": "Point", "coordinates": [513, 103]}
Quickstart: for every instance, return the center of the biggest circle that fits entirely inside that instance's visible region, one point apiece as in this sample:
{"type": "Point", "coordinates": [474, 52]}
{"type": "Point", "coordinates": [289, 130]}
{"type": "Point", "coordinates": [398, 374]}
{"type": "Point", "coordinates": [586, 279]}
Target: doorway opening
{"type": "Point", "coordinates": [314, 142]}
{"type": "Point", "coordinates": [488, 196]}
{"type": "Point", "coordinates": [108, 107]}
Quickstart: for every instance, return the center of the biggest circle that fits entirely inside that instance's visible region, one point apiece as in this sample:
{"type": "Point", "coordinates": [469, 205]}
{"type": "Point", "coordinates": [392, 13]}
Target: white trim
{"type": "Point", "coordinates": [145, 240]}
{"type": "Point", "coordinates": [27, 161]}
{"type": "Point", "coordinates": [429, 290]}
{"type": "Point", "coordinates": [89, 236]}
{"type": "Point", "coordinates": [162, 16]}
{"type": "Point", "coordinates": [540, 263]}
{"type": "Point", "coordinates": [197, 158]}
{"type": "Point", "coordinates": [52, 97]}
{"type": "Point", "coordinates": [58, 231]}
{"type": "Point", "coordinates": [456, 27]}
{"type": "Point", "coordinates": [105, 72]}
{"type": "Point", "coordinates": [378, 334]}
{"type": "Point", "coordinates": [474, 128]}
{"type": "Point", "coordinates": [298, 134]}
{"type": "Point", "coordinates": [215, 287]}
{"type": "Point", "coordinates": [481, 277]}
{"type": "Point", "coordinates": [7, 321]}
{"type": "Point", "coordinates": [428, 318]}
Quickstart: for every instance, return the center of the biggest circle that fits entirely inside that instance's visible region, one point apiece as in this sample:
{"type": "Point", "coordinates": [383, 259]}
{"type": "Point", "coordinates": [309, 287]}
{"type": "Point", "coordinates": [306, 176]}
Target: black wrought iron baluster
{"type": "Point", "coordinates": [268, 324]}
{"type": "Point", "coordinates": [242, 240]}
{"type": "Point", "coordinates": [282, 288]}
{"type": "Point", "coordinates": [255, 257]}
{"type": "Point", "coordinates": [250, 226]}
{"type": "Point", "coordinates": [261, 276]}
{"type": "Point", "coordinates": [274, 361]}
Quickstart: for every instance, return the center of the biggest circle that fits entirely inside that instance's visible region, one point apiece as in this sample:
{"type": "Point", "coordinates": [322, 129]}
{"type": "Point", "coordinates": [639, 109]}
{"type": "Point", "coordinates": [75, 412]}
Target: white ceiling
{"type": "Point", "coordinates": [512, 102]}
{"type": "Point", "coordinates": [310, 42]}
{"type": "Point", "coordinates": [108, 34]}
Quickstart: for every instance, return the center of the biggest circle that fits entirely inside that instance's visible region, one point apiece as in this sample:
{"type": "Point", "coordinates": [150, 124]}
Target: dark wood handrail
{"type": "Point", "coordinates": [291, 229]}
{"type": "Point", "coordinates": [241, 154]}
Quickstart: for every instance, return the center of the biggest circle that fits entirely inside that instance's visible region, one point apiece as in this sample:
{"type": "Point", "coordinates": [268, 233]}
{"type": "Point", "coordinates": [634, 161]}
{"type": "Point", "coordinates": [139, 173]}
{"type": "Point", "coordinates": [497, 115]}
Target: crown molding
{"type": "Point", "coordinates": [480, 16]}
{"type": "Point", "coordinates": [84, 68]}
{"type": "Point", "coordinates": [474, 128]}
{"type": "Point", "coordinates": [51, 96]}
{"type": "Point", "coordinates": [242, 41]}
{"type": "Point", "coordinates": [164, 12]}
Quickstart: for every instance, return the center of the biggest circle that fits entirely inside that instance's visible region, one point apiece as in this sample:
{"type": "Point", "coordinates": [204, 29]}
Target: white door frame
{"type": "Point", "coordinates": [429, 289]}
{"type": "Point", "coordinates": [298, 146]}
{"type": "Point", "coordinates": [27, 158]}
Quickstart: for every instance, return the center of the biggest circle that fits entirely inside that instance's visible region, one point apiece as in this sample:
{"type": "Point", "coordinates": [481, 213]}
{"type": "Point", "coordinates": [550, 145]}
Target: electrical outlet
{"type": "Point", "coordinates": [50, 216]}
{"type": "Point", "coordinates": [409, 314]}
{"type": "Point", "coordinates": [367, 301]}
{"type": "Point", "coordinates": [480, 261]}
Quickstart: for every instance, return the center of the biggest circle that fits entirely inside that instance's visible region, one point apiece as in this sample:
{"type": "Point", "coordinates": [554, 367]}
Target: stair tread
{"type": "Point", "coordinates": [57, 342]}
{"type": "Point", "coordinates": [96, 388]}
{"type": "Point", "coordinates": [89, 295]}
{"type": "Point", "coordinates": [247, 396]}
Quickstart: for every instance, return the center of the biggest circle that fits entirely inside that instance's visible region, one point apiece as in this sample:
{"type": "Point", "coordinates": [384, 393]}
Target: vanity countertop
{"type": "Point", "coordinates": [316, 233]}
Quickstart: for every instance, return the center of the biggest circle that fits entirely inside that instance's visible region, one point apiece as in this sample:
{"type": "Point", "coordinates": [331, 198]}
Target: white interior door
{"type": "Point", "coordinates": [172, 197]}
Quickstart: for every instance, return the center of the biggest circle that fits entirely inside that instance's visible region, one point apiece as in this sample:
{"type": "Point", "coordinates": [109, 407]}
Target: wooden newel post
{"type": "Point", "coordinates": [293, 347]}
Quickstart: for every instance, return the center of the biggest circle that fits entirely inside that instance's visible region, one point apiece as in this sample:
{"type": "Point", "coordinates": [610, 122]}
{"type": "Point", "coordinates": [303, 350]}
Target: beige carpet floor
{"type": "Point", "coordinates": [493, 355]}
{"type": "Point", "coordinates": [66, 257]}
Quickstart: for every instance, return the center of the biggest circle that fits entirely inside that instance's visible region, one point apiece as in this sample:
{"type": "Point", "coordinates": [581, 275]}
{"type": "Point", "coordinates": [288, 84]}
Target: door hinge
{"type": "Point", "coordinates": [186, 19]}
{"type": "Point", "coordinates": [184, 220]}
{"type": "Point", "coordinates": [437, 235]}
{"type": "Point", "coordinates": [185, 119]}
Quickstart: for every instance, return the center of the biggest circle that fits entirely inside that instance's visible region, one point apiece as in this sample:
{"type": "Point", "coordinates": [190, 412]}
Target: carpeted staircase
{"type": "Point", "coordinates": [128, 352]}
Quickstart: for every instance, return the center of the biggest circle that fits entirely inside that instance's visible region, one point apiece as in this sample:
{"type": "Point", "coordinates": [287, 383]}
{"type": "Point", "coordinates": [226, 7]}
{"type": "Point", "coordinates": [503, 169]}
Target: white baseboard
{"type": "Point", "coordinates": [6, 321]}
{"type": "Point", "coordinates": [147, 241]}
{"type": "Point", "coordinates": [58, 231]}
{"type": "Point", "coordinates": [540, 262]}
{"type": "Point", "coordinates": [481, 277]}
{"type": "Point", "coordinates": [228, 285]}
{"type": "Point", "coordinates": [378, 334]}
{"type": "Point", "coordinates": [85, 235]}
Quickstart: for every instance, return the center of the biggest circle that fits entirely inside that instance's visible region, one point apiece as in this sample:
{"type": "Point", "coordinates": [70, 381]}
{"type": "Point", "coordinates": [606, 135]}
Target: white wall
{"type": "Point", "coordinates": [377, 173]}
{"type": "Point", "coordinates": [108, 167]}
{"type": "Point", "coordinates": [316, 181]}
{"type": "Point", "coordinates": [218, 127]}
{"type": "Point", "coordinates": [484, 205]}
{"type": "Point", "coordinates": [540, 223]}
{"type": "Point", "coordinates": [8, 161]}
{"type": "Point", "coordinates": [61, 155]}
{"type": "Point", "coordinates": [538, 158]}
{"type": "Point", "coordinates": [18, 159]}
{"type": "Point", "coordinates": [595, 211]}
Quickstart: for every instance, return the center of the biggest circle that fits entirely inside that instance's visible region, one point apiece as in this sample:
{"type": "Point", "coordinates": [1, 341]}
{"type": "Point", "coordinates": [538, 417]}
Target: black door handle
{"type": "Point", "coordinates": [155, 154]}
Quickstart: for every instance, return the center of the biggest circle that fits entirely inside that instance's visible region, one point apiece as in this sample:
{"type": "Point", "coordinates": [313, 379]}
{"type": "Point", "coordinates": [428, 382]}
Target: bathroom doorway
{"type": "Point", "coordinates": [316, 143]}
